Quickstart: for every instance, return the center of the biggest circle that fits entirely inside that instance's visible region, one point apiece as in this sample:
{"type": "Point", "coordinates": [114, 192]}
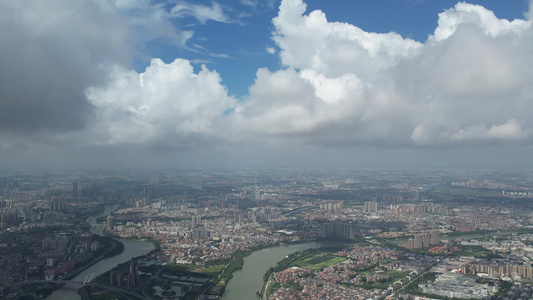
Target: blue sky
{"type": "Point", "coordinates": [248, 33]}
{"type": "Point", "coordinates": [310, 83]}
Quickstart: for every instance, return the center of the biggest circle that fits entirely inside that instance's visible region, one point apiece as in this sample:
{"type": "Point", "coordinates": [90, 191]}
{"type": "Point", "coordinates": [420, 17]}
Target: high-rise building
{"type": "Point", "coordinates": [338, 229]}
{"type": "Point", "coordinates": [76, 189]}
{"type": "Point", "coordinates": [120, 280]}
{"type": "Point", "coordinates": [196, 221]}
{"type": "Point", "coordinates": [426, 240]}
{"type": "Point", "coordinates": [57, 205]}
{"type": "Point", "coordinates": [112, 279]}
{"type": "Point", "coordinates": [238, 217]}
{"type": "Point", "coordinates": [435, 237]}
{"type": "Point", "coordinates": [110, 222]}
{"type": "Point", "coordinates": [59, 242]}
{"type": "Point", "coordinates": [133, 276]}
{"type": "Point", "coordinates": [411, 244]}
{"type": "Point", "coordinates": [370, 206]}
{"type": "Point", "coordinates": [131, 280]}
{"type": "Point", "coordinates": [418, 242]}
{"type": "Point", "coordinates": [449, 211]}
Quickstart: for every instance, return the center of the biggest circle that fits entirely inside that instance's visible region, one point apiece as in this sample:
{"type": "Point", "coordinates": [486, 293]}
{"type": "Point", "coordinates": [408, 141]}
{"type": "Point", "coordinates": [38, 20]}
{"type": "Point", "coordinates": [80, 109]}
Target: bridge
{"type": "Point", "coordinates": [123, 292]}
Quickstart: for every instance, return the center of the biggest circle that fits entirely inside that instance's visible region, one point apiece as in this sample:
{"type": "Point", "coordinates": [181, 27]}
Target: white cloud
{"type": "Point", "coordinates": [469, 83]}
{"type": "Point", "coordinates": [464, 14]}
{"type": "Point", "coordinates": [509, 130]}
{"type": "Point", "coordinates": [251, 3]}
{"type": "Point", "coordinates": [282, 101]}
{"type": "Point", "coordinates": [148, 21]}
{"type": "Point", "coordinates": [168, 104]}
{"type": "Point", "coordinates": [311, 42]}
{"type": "Point", "coordinates": [201, 12]}
{"type": "Point", "coordinates": [332, 88]}
{"type": "Point", "coordinates": [472, 79]}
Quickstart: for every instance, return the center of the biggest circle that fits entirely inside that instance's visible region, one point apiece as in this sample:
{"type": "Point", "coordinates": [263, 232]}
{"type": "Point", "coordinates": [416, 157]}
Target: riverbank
{"type": "Point", "coordinates": [321, 262]}
{"type": "Point", "coordinates": [220, 274]}
{"type": "Point", "coordinates": [156, 243]}
{"type": "Point", "coordinates": [107, 248]}
{"type": "Point", "coordinates": [237, 263]}
{"type": "Point", "coordinates": [128, 250]}
{"type": "Point", "coordinates": [248, 281]}
{"type": "Point", "coordinates": [115, 248]}
{"type": "Point", "coordinates": [214, 277]}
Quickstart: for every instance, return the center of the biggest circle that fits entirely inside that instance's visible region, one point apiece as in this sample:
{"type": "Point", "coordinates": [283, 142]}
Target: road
{"type": "Point", "coordinates": [218, 278]}
{"type": "Point", "coordinates": [146, 284]}
{"type": "Point", "coordinates": [124, 292]}
{"type": "Point", "coordinates": [412, 280]}
{"type": "Point", "coordinates": [93, 261]}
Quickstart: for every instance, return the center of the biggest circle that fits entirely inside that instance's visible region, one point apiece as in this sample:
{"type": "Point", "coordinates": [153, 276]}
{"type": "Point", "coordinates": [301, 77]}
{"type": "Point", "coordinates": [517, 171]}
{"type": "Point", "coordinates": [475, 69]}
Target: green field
{"type": "Point", "coordinates": [477, 252]}
{"type": "Point", "coordinates": [212, 270]}
{"type": "Point", "coordinates": [318, 261]}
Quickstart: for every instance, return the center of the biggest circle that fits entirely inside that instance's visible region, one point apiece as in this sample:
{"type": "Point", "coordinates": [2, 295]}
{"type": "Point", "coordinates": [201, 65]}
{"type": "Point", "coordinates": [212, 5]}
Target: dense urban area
{"type": "Point", "coordinates": [388, 234]}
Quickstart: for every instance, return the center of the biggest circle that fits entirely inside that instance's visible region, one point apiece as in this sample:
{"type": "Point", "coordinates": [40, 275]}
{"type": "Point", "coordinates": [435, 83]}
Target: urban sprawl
{"type": "Point", "coordinates": [387, 234]}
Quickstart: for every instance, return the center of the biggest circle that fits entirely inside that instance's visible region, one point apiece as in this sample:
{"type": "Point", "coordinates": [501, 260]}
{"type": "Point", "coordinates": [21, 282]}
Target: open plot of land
{"type": "Point", "coordinates": [212, 270]}
{"type": "Point", "coordinates": [318, 261]}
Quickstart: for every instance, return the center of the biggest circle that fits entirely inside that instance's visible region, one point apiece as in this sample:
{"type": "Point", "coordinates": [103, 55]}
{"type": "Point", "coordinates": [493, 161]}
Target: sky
{"type": "Point", "coordinates": [248, 83]}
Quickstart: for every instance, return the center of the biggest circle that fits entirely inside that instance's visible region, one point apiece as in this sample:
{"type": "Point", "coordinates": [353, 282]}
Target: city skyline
{"type": "Point", "coordinates": [287, 83]}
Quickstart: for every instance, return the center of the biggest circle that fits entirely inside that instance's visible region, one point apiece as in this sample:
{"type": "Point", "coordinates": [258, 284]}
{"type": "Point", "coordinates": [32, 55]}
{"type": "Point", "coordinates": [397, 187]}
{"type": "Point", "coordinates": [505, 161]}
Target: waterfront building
{"type": "Point", "coordinates": [110, 222]}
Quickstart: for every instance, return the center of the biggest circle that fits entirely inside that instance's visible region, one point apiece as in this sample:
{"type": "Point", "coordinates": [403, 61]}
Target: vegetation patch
{"type": "Point", "coordinates": [211, 270]}
{"type": "Point", "coordinates": [318, 261]}
{"type": "Point", "coordinates": [477, 252]}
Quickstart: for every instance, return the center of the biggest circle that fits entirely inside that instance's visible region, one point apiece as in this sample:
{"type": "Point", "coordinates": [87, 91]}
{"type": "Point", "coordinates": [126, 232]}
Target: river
{"type": "Point", "coordinates": [131, 249]}
{"type": "Point", "coordinates": [248, 281]}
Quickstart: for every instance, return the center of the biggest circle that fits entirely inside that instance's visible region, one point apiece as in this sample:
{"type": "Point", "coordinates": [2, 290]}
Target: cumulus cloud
{"type": "Point", "coordinates": [469, 83]}
{"type": "Point", "coordinates": [311, 42]}
{"type": "Point", "coordinates": [167, 105]}
{"type": "Point", "coordinates": [343, 86]}
{"type": "Point", "coordinates": [507, 131]}
{"type": "Point", "coordinates": [473, 74]}
{"type": "Point", "coordinates": [464, 14]}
